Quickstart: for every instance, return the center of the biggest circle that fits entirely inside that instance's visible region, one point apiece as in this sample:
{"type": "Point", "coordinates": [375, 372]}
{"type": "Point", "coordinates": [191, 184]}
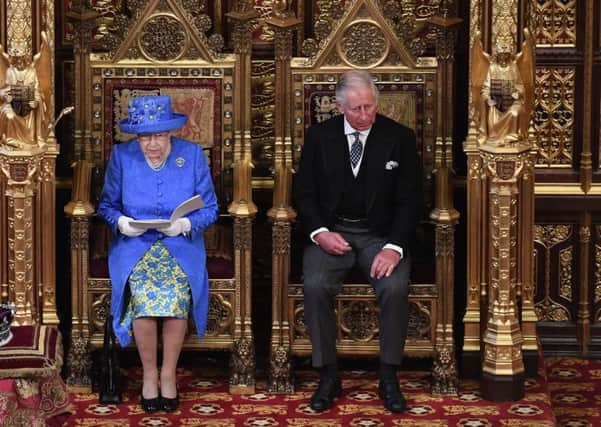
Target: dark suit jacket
{"type": "Point", "coordinates": [394, 189]}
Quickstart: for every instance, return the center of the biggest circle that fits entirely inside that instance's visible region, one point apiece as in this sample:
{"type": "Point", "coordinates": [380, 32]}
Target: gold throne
{"type": "Point", "coordinates": [410, 92]}
{"type": "Point", "coordinates": [163, 50]}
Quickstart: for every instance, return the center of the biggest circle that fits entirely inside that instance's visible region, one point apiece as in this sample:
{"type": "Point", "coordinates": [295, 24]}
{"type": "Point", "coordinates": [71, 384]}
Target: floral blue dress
{"type": "Point", "coordinates": [158, 287]}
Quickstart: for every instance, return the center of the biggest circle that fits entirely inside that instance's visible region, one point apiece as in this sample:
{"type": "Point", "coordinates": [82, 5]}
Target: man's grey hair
{"type": "Point", "coordinates": [354, 79]}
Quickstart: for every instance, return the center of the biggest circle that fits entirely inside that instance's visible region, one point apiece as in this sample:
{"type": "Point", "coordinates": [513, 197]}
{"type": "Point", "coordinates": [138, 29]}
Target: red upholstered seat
{"type": "Point", "coordinates": [34, 351]}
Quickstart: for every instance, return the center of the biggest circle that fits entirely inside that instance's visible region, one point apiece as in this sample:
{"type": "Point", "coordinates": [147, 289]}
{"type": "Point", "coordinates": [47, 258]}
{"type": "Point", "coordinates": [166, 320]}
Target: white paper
{"type": "Point", "coordinates": [184, 208]}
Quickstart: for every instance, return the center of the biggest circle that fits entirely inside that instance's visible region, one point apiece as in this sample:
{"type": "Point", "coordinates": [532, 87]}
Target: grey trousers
{"type": "Point", "coordinates": [323, 276]}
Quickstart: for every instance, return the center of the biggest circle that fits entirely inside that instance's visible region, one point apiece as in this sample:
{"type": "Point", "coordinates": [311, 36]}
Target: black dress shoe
{"type": "Point", "coordinates": [328, 390]}
{"type": "Point", "coordinates": [392, 397]}
{"type": "Point", "coordinates": [170, 404]}
{"type": "Point", "coordinates": [150, 405]}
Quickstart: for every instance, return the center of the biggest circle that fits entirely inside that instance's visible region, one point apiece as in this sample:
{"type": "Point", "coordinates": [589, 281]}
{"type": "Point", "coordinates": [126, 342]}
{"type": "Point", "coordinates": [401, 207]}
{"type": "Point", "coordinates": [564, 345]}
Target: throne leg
{"type": "Point", "coordinates": [79, 363]}
{"type": "Point", "coordinates": [444, 371]}
{"type": "Point", "coordinates": [242, 366]}
{"type": "Point", "coordinates": [280, 372]}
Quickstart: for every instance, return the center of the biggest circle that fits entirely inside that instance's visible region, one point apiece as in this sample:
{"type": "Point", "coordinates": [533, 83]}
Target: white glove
{"type": "Point", "coordinates": [179, 226]}
{"type": "Point", "coordinates": [126, 229]}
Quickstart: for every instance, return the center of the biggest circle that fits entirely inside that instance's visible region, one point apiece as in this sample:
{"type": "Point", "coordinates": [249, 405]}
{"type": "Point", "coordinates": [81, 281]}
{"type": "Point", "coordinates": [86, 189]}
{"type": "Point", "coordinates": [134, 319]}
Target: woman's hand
{"type": "Point", "coordinates": [179, 226]}
{"type": "Point", "coordinates": [127, 229]}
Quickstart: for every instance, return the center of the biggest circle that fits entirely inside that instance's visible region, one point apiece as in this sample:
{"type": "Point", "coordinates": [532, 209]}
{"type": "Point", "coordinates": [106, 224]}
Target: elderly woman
{"type": "Point", "coordinates": [157, 273]}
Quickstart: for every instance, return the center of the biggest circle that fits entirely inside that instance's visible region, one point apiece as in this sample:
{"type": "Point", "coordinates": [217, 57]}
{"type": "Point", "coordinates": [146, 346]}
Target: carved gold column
{"type": "Point", "coordinates": [476, 231]}
{"type": "Point", "coordinates": [80, 209]}
{"type": "Point", "coordinates": [586, 164]}
{"type": "Point", "coordinates": [20, 169]}
{"type": "Point", "coordinates": [242, 207]}
{"type": "Point", "coordinates": [501, 103]}
{"type": "Point", "coordinates": [584, 313]}
{"type": "Point", "coordinates": [526, 265]}
{"type": "Point", "coordinates": [281, 214]}
{"type": "Point", "coordinates": [444, 215]}
{"type": "Point", "coordinates": [503, 366]}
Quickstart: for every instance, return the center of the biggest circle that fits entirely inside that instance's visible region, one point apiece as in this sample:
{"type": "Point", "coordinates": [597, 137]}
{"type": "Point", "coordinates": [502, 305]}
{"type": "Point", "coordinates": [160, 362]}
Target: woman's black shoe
{"type": "Point", "coordinates": [170, 405]}
{"type": "Point", "coordinates": [150, 405]}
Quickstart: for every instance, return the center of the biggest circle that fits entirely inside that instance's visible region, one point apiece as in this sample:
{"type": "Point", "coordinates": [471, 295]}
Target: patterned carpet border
{"type": "Point", "coordinates": [206, 402]}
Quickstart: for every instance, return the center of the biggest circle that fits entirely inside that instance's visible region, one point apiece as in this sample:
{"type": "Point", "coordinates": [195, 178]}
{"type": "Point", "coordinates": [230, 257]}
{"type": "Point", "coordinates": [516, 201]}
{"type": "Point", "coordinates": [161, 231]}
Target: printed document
{"type": "Point", "coordinates": [184, 208]}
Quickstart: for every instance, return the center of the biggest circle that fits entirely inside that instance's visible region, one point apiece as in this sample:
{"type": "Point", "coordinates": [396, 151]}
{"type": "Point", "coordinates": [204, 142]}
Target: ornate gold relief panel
{"type": "Point", "coordinates": [555, 271]}
{"type": "Point", "coordinates": [554, 22]}
{"type": "Point", "coordinates": [596, 273]}
{"type": "Point", "coordinates": [554, 116]}
{"type": "Point", "coordinates": [263, 116]}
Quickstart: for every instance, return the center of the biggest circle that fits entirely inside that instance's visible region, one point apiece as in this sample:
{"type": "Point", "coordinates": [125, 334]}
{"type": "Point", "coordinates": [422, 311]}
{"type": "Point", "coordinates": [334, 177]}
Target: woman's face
{"type": "Point", "coordinates": [155, 145]}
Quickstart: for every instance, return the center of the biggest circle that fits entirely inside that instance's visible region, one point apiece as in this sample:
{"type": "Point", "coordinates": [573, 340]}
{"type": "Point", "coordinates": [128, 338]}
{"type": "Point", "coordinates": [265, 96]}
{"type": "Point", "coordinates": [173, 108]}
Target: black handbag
{"type": "Point", "coordinates": [109, 384]}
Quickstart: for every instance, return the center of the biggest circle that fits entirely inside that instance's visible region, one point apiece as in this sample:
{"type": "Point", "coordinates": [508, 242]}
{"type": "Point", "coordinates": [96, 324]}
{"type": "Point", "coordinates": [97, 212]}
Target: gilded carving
{"type": "Point", "coordinates": [298, 321]}
{"type": "Point", "coordinates": [554, 116]}
{"type": "Point", "coordinates": [163, 38]}
{"type": "Point", "coordinates": [502, 90]}
{"type": "Point", "coordinates": [444, 371]}
{"type": "Point", "coordinates": [263, 111]}
{"type": "Point", "coordinates": [566, 258]}
{"type": "Point", "coordinates": [555, 22]}
{"type": "Point", "coordinates": [242, 364]}
{"type": "Point", "coordinates": [359, 320]}
{"type": "Point", "coordinates": [19, 31]}
{"type": "Point", "coordinates": [220, 316]}
{"type": "Point", "coordinates": [420, 320]}
{"type": "Point", "coordinates": [551, 235]}
{"type": "Point", "coordinates": [280, 372]}
{"type": "Point", "coordinates": [363, 44]}
{"type": "Point", "coordinates": [597, 273]}
{"type": "Point", "coordinates": [79, 362]}
{"type": "Point", "coordinates": [281, 238]}
{"type": "Point", "coordinates": [242, 233]}
{"type": "Point", "coordinates": [25, 98]}
{"type": "Point", "coordinates": [445, 240]}
{"type": "Point", "coordinates": [551, 311]}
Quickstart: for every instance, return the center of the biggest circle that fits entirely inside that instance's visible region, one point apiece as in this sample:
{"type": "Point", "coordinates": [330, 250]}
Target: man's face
{"type": "Point", "coordinates": [359, 107]}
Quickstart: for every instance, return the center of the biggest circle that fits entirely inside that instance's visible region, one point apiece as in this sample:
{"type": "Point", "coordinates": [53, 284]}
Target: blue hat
{"type": "Point", "coordinates": [151, 114]}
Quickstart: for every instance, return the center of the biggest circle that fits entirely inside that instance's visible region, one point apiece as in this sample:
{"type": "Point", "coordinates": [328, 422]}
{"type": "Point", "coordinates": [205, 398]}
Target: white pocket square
{"type": "Point", "coordinates": [391, 165]}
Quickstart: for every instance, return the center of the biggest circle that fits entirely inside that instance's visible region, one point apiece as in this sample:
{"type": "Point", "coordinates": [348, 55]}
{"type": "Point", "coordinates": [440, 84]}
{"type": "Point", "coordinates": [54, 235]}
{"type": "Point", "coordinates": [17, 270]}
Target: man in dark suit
{"type": "Point", "coordinates": [358, 193]}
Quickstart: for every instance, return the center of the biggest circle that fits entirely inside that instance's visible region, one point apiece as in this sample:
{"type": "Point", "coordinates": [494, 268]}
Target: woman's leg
{"type": "Point", "coordinates": [145, 333]}
{"type": "Point", "coordinates": [174, 332]}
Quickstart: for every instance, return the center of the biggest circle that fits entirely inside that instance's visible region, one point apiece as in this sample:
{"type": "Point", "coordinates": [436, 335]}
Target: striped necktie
{"type": "Point", "coordinates": [356, 149]}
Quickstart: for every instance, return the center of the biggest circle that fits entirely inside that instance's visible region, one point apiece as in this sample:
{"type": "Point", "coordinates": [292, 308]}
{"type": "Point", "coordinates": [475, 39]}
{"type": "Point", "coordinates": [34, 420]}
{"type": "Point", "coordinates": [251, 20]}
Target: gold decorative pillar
{"type": "Point", "coordinates": [20, 169]}
{"type": "Point", "coordinates": [503, 366]}
{"type": "Point", "coordinates": [281, 214]}
{"type": "Point", "coordinates": [444, 215]}
{"type": "Point", "coordinates": [526, 264]}
{"type": "Point", "coordinates": [242, 208]}
{"type": "Point", "coordinates": [80, 209]}
{"type": "Point", "coordinates": [476, 232]}
{"type": "Point", "coordinates": [501, 103]}
{"type": "Point", "coordinates": [27, 130]}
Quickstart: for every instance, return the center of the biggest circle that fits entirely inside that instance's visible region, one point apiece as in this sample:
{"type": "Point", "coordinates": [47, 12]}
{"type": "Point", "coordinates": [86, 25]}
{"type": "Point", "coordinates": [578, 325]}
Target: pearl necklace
{"type": "Point", "coordinates": [160, 165]}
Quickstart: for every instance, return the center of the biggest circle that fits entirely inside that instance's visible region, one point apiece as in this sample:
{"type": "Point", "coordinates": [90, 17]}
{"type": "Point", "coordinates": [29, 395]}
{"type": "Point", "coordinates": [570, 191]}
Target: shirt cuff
{"type": "Point", "coordinates": [394, 248]}
{"type": "Point", "coordinates": [316, 232]}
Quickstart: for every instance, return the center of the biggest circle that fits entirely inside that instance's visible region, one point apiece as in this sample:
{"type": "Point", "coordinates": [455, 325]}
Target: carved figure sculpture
{"type": "Point", "coordinates": [25, 96]}
{"type": "Point", "coordinates": [503, 90]}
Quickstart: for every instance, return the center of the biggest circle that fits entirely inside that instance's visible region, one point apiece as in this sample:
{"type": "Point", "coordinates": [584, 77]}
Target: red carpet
{"type": "Point", "coordinates": [575, 386]}
{"type": "Point", "coordinates": [206, 402]}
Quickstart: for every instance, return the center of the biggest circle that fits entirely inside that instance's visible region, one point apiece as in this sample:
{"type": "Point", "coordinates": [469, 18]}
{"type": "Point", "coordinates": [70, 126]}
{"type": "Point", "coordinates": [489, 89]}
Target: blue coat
{"type": "Point", "coordinates": [133, 189]}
